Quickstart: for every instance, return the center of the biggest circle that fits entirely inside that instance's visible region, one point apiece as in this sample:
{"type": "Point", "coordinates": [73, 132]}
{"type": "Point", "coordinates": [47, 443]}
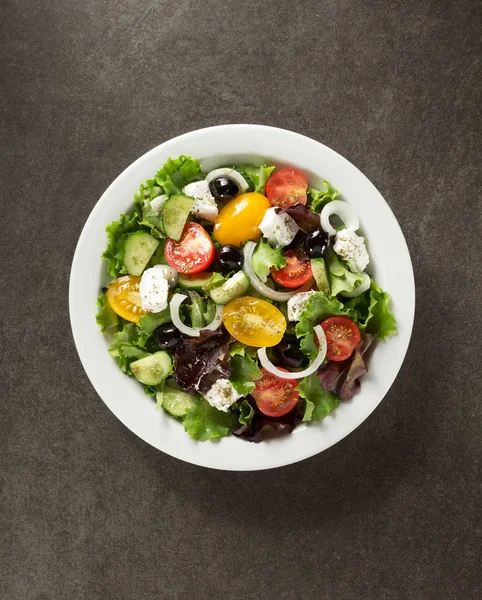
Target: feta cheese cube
{"type": "Point", "coordinates": [351, 247]}
{"type": "Point", "coordinates": [204, 204]}
{"type": "Point", "coordinates": [157, 203]}
{"type": "Point", "coordinates": [154, 289]}
{"type": "Point", "coordinates": [279, 230]}
{"type": "Point", "coordinates": [222, 395]}
{"type": "Point", "coordinates": [297, 304]}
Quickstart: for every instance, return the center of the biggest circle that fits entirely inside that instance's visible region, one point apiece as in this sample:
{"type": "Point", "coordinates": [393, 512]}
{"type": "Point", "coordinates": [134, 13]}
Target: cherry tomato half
{"type": "Point", "coordinates": [342, 337]}
{"type": "Point", "coordinates": [125, 299]}
{"type": "Point", "coordinates": [254, 321]}
{"type": "Point", "coordinates": [274, 396]}
{"type": "Point", "coordinates": [238, 220]}
{"type": "Point", "coordinates": [193, 253]}
{"type": "Point", "coordinates": [294, 274]}
{"type": "Point", "coordinates": [286, 187]}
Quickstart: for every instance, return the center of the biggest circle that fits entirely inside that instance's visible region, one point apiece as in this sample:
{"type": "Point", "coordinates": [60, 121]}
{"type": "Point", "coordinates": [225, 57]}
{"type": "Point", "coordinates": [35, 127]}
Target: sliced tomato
{"type": "Point", "coordinates": [125, 299]}
{"type": "Point", "coordinates": [287, 187]}
{"type": "Point", "coordinates": [294, 274]}
{"type": "Point", "coordinates": [274, 396]}
{"type": "Point", "coordinates": [193, 253]}
{"type": "Point", "coordinates": [342, 337]}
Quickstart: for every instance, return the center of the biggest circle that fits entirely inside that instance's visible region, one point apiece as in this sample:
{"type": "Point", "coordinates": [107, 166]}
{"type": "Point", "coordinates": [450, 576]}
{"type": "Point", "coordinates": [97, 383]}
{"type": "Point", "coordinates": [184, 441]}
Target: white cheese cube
{"type": "Point", "coordinates": [279, 230]}
{"type": "Point", "coordinates": [222, 395]}
{"type": "Point", "coordinates": [351, 247]}
{"type": "Point", "coordinates": [157, 203]}
{"type": "Point", "coordinates": [204, 204]}
{"type": "Point", "coordinates": [297, 304]}
{"type": "Point", "coordinates": [154, 289]}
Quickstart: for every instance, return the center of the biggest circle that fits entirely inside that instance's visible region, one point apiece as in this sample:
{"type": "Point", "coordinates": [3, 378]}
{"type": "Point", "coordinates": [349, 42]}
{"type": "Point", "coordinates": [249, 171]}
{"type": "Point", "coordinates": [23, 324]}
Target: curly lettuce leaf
{"type": "Point", "coordinates": [340, 277]}
{"type": "Point", "coordinates": [317, 199]}
{"type": "Point", "coordinates": [204, 422]}
{"type": "Point", "coordinates": [245, 372]}
{"type": "Point", "coordinates": [260, 424]}
{"type": "Point", "coordinates": [117, 233]}
{"type": "Point", "coordinates": [246, 413]}
{"type": "Point", "coordinates": [147, 191]}
{"type": "Point", "coordinates": [148, 323]}
{"type": "Point", "coordinates": [178, 172]}
{"type": "Point", "coordinates": [106, 318]}
{"type": "Point", "coordinates": [318, 308]}
{"type": "Point", "coordinates": [265, 257]}
{"type": "Point", "coordinates": [216, 280]}
{"type": "Point", "coordinates": [319, 403]}
{"type": "Point", "coordinates": [127, 346]}
{"type": "Point", "coordinates": [373, 312]}
{"type": "Point", "coordinates": [256, 176]}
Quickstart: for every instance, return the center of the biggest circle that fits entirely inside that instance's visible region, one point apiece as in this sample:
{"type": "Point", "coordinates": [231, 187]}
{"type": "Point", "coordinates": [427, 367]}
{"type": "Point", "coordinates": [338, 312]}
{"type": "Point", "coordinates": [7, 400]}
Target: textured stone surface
{"type": "Point", "coordinates": [88, 510]}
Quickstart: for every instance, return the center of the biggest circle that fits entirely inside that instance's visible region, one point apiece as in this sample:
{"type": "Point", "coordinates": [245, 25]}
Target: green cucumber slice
{"type": "Point", "coordinates": [152, 369]}
{"type": "Point", "coordinates": [138, 249]}
{"type": "Point", "coordinates": [320, 274]}
{"type": "Point", "coordinates": [177, 402]}
{"type": "Point", "coordinates": [235, 286]}
{"type": "Point", "coordinates": [175, 213]}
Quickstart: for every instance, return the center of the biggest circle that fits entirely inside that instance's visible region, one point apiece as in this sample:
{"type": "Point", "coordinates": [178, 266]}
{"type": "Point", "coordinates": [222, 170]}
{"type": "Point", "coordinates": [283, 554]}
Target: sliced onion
{"type": "Point", "coordinates": [232, 174]}
{"type": "Point", "coordinates": [261, 287]}
{"type": "Point", "coordinates": [345, 211]}
{"type": "Point", "coordinates": [174, 306]}
{"type": "Point", "coordinates": [362, 287]}
{"type": "Point", "coordinates": [315, 365]}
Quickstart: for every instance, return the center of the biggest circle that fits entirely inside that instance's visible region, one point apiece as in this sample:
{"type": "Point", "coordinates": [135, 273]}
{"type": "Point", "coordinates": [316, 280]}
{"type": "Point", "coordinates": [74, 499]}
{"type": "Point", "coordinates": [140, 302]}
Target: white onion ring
{"type": "Point", "coordinates": [174, 306]}
{"type": "Point", "coordinates": [261, 287]}
{"type": "Point", "coordinates": [320, 357]}
{"type": "Point", "coordinates": [232, 174]}
{"type": "Point", "coordinates": [363, 287]}
{"type": "Point", "coordinates": [345, 211]}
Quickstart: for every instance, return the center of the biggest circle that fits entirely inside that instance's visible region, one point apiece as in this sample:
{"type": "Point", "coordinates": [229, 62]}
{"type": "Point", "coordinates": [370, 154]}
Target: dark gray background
{"type": "Point", "coordinates": [88, 510]}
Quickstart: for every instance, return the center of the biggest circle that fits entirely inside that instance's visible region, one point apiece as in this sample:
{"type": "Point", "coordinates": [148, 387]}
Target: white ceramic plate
{"type": "Point", "coordinates": [390, 265]}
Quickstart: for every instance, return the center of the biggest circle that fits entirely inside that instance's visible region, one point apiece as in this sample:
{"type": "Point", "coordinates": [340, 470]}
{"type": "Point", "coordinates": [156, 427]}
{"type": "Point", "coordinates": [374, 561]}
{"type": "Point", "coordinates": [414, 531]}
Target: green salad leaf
{"type": "Point", "coordinates": [319, 403]}
{"type": "Point", "coordinates": [256, 176]}
{"type": "Point", "coordinates": [246, 413]}
{"type": "Point", "coordinates": [373, 312]}
{"type": "Point", "coordinates": [127, 346]}
{"type": "Point", "coordinates": [178, 172]}
{"type": "Point", "coordinates": [106, 318]}
{"type": "Point", "coordinates": [117, 233]}
{"type": "Point", "coordinates": [340, 277]}
{"type": "Point", "coordinates": [148, 323]}
{"type": "Point", "coordinates": [151, 220]}
{"type": "Point", "coordinates": [204, 422]}
{"type": "Point", "coordinates": [318, 308]}
{"type": "Point", "coordinates": [265, 257]}
{"type": "Point", "coordinates": [245, 372]}
{"type": "Point", "coordinates": [216, 280]}
{"type": "Point", "coordinates": [317, 199]}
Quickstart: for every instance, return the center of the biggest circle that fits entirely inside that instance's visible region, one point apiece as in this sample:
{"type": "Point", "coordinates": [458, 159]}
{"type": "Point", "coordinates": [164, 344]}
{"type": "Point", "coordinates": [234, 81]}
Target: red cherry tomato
{"type": "Point", "coordinates": [342, 337]}
{"type": "Point", "coordinates": [286, 187]}
{"type": "Point", "coordinates": [274, 396]}
{"type": "Point", "coordinates": [193, 253]}
{"type": "Point", "coordinates": [294, 274]}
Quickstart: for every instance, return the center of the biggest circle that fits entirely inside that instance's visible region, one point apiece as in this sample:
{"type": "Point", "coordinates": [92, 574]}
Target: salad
{"type": "Point", "coordinates": [240, 299]}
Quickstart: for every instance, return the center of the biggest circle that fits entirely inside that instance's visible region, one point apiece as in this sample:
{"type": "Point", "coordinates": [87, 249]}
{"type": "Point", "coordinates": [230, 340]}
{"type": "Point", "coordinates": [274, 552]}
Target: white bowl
{"type": "Point", "coordinates": [390, 265]}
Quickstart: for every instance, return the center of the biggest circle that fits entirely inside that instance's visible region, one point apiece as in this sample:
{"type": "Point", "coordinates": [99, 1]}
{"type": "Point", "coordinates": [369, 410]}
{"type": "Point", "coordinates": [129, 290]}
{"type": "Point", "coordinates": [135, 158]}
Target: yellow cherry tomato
{"type": "Point", "coordinates": [125, 298]}
{"type": "Point", "coordinates": [254, 322]}
{"type": "Point", "coordinates": [238, 221]}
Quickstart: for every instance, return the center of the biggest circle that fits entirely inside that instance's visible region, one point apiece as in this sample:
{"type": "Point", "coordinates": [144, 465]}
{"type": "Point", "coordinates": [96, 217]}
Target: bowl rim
{"type": "Point", "coordinates": [291, 451]}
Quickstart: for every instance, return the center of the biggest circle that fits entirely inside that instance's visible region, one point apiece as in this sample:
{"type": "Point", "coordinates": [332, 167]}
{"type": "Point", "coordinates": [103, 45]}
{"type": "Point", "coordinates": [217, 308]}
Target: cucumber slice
{"type": "Point", "coordinates": [177, 402]}
{"type": "Point", "coordinates": [174, 215]}
{"type": "Point", "coordinates": [320, 274]}
{"type": "Point", "coordinates": [194, 282]}
{"type": "Point", "coordinates": [138, 249]}
{"type": "Point", "coordinates": [152, 369]}
{"type": "Point", "coordinates": [235, 286]}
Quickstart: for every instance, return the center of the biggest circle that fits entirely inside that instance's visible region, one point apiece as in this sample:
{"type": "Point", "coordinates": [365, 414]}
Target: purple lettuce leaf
{"type": "Point", "coordinates": [201, 361]}
{"type": "Point", "coordinates": [261, 425]}
{"type": "Point", "coordinates": [343, 378]}
{"type": "Point", "coordinates": [304, 218]}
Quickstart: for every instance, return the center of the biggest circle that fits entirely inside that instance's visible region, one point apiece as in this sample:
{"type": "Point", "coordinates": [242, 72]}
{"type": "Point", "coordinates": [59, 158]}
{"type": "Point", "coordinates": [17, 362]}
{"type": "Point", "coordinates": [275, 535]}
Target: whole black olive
{"type": "Point", "coordinates": [288, 353]}
{"type": "Point", "coordinates": [317, 242]}
{"type": "Point", "coordinates": [167, 336]}
{"type": "Point", "coordinates": [223, 188]}
{"type": "Point", "coordinates": [229, 258]}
